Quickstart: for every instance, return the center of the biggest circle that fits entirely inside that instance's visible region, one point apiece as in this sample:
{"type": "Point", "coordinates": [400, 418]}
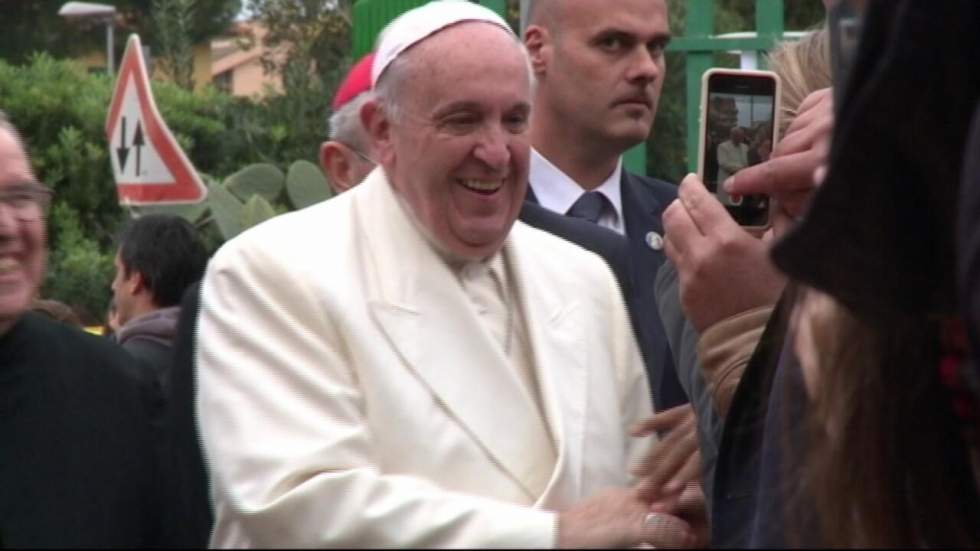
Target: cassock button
{"type": "Point", "coordinates": [654, 241]}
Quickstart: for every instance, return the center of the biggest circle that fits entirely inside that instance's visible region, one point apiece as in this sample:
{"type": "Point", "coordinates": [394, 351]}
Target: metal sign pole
{"type": "Point", "coordinates": [110, 54]}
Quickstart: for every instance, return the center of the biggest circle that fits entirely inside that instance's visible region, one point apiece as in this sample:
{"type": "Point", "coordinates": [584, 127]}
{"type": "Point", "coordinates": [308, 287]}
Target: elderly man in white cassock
{"type": "Point", "coordinates": [406, 366]}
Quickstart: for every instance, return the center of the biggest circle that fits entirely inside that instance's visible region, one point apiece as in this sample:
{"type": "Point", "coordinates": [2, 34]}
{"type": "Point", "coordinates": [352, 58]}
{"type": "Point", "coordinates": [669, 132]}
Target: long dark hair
{"type": "Point", "coordinates": [887, 464]}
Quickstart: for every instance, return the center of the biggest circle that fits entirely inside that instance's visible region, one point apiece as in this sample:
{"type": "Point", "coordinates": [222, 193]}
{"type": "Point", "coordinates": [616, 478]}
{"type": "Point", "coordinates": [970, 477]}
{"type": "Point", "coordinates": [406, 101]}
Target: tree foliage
{"type": "Point", "coordinates": [308, 44]}
{"type": "Point", "coordinates": [61, 111]}
{"type": "Point", "coordinates": [32, 26]}
{"type": "Point", "coordinates": [175, 48]}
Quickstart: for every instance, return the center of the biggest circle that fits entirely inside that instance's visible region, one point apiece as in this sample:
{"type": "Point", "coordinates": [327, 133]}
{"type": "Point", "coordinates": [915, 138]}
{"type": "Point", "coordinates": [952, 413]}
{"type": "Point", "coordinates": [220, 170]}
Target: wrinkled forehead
{"type": "Point", "coordinates": [443, 63]}
{"type": "Point", "coordinates": [646, 19]}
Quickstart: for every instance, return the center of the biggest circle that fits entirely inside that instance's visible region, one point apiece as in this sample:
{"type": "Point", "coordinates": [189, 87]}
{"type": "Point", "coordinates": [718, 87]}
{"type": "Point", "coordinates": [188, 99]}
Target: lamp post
{"type": "Point", "coordinates": [100, 13]}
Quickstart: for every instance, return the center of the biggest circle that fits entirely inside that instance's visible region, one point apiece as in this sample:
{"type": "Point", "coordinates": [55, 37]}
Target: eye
{"type": "Point", "coordinates": [462, 123]}
{"type": "Point", "coordinates": [657, 48]}
{"type": "Point", "coordinates": [516, 123]}
{"type": "Point", "coordinates": [613, 42]}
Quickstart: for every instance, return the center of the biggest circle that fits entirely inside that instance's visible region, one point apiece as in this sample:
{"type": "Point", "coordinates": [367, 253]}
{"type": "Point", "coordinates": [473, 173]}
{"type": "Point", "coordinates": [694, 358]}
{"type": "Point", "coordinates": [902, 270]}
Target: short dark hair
{"type": "Point", "coordinates": [166, 251]}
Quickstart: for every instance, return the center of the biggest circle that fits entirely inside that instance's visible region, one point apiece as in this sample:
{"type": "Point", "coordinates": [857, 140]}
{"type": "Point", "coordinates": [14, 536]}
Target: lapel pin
{"type": "Point", "coordinates": [654, 241]}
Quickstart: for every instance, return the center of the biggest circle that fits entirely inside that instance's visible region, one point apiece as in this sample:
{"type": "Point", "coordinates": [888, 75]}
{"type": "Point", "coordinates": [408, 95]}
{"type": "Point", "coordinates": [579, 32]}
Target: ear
{"type": "Point", "coordinates": [336, 164]}
{"type": "Point", "coordinates": [378, 126]}
{"type": "Point", "coordinates": [136, 283]}
{"type": "Point", "coordinates": [539, 45]}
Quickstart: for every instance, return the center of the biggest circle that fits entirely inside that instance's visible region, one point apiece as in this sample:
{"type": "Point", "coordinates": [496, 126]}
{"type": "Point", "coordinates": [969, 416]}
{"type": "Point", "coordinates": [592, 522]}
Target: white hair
{"type": "Point", "coordinates": [344, 124]}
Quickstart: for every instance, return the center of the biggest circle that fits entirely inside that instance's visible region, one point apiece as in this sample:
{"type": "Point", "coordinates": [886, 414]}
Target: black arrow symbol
{"type": "Point", "coordinates": [138, 144]}
{"type": "Point", "coordinates": [122, 151]}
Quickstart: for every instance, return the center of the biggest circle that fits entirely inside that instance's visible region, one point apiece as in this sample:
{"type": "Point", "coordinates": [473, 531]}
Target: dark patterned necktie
{"type": "Point", "coordinates": [588, 206]}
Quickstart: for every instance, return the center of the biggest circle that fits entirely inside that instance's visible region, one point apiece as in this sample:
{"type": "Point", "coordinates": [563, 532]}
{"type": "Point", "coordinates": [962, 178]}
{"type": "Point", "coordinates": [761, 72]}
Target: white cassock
{"type": "Point", "coordinates": [348, 395]}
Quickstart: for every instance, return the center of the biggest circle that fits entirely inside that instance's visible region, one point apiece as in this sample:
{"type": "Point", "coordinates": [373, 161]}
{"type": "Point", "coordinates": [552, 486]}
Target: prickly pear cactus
{"type": "Point", "coordinates": [306, 185]}
{"type": "Point", "coordinates": [254, 194]}
{"type": "Point", "coordinates": [256, 211]}
{"type": "Point", "coordinates": [226, 210]}
{"type": "Point", "coordinates": [260, 179]}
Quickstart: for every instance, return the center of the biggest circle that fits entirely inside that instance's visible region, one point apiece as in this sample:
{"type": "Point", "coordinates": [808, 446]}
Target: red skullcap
{"type": "Point", "coordinates": [357, 82]}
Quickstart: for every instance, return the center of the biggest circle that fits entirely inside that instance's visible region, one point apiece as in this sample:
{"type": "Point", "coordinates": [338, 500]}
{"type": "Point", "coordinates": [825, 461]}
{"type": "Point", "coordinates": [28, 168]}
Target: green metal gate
{"type": "Point", "coordinates": [371, 16]}
{"type": "Point", "coordinates": [700, 45]}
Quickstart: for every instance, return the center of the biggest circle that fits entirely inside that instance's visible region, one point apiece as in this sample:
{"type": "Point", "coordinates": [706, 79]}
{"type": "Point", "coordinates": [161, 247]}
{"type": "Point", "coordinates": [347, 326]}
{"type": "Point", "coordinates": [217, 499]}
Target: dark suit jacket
{"type": "Point", "coordinates": [188, 458]}
{"type": "Point", "coordinates": [969, 242]}
{"type": "Point", "coordinates": [644, 200]}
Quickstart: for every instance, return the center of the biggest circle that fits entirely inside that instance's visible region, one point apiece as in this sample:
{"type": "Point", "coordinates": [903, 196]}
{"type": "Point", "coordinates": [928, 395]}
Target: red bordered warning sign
{"type": "Point", "coordinates": [148, 164]}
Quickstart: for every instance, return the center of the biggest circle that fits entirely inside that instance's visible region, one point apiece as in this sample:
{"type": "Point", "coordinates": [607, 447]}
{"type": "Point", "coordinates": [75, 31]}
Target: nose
{"type": "Point", "coordinates": [493, 149]}
{"type": "Point", "coordinates": [645, 66]}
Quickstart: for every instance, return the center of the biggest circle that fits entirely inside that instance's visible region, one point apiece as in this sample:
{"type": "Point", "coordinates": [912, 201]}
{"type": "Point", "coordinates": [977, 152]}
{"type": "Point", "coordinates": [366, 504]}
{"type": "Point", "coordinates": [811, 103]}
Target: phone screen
{"type": "Point", "coordinates": [739, 131]}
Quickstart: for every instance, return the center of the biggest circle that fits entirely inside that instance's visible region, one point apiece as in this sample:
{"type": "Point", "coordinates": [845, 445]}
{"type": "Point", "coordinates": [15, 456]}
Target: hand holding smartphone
{"type": "Point", "coordinates": [739, 127]}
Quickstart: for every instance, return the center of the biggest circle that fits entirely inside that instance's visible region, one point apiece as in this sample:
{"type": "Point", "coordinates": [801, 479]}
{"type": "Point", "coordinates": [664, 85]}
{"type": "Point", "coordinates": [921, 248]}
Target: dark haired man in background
{"type": "Point", "coordinates": [159, 257]}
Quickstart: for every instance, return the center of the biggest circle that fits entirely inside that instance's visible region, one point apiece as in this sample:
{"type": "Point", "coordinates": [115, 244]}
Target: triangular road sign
{"type": "Point", "coordinates": [148, 164]}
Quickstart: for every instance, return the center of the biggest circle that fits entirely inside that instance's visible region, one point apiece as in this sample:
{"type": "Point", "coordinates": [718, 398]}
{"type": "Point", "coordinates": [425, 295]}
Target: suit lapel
{"type": "Point", "coordinates": [641, 213]}
{"type": "Point", "coordinates": [555, 331]}
{"type": "Point", "coordinates": [428, 319]}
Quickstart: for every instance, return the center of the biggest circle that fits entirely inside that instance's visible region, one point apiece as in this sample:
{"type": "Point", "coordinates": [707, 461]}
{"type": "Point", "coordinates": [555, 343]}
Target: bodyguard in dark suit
{"type": "Point", "coordinates": [644, 200]}
{"type": "Point", "coordinates": [599, 68]}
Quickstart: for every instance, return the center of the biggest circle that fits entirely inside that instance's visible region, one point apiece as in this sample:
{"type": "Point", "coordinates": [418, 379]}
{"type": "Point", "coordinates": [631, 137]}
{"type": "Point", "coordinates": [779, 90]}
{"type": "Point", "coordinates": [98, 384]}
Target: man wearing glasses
{"type": "Point", "coordinates": [79, 465]}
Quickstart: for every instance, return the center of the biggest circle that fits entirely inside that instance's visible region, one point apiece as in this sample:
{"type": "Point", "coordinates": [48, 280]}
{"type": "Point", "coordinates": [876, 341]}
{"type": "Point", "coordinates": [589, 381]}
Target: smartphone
{"type": "Point", "coordinates": [739, 125]}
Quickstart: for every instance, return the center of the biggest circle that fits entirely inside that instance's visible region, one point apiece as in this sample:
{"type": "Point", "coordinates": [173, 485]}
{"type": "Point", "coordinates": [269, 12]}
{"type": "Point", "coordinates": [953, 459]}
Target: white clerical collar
{"type": "Point", "coordinates": [556, 191]}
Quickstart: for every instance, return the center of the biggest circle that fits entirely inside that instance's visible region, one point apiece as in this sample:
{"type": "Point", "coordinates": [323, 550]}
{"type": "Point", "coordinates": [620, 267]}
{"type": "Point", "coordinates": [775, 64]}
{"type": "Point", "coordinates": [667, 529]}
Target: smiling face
{"type": "Point", "coordinates": [456, 149]}
{"type": "Point", "coordinates": [22, 238]}
{"type": "Point", "coordinates": [600, 67]}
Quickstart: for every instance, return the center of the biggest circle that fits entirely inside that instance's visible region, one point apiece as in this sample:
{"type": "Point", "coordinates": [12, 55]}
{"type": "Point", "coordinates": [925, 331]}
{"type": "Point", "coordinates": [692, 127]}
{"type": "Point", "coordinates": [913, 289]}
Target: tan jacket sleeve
{"type": "Point", "coordinates": [724, 350]}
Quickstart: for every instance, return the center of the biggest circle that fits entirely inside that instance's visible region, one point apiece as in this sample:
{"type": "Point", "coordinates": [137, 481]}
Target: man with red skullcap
{"type": "Point", "coordinates": [346, 157]}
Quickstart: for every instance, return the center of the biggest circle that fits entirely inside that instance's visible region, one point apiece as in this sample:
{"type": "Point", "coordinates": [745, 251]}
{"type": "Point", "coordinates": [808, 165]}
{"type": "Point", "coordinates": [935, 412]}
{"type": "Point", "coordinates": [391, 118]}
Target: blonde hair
{"type": "Point", "coordinates": [803, 67]}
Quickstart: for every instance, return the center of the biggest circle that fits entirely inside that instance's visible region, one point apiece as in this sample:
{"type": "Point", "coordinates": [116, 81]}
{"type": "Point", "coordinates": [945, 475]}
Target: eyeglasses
{"type": "Point", "coordinates": [28, 202]}
{"type": "Point", "coordinates": [363, 157]}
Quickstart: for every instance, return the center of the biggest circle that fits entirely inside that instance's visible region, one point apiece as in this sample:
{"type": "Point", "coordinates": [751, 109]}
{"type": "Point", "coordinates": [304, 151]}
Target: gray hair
{"type": "Point", "coordinates": [344, 124]}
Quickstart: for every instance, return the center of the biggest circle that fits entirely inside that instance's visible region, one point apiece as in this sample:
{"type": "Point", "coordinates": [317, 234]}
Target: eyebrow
{"type": "Point", "coordinates": [455, 107]}
{"type": "Point", "coordinates": [607, 31]}
{"type": "Point", "coordinates": [465, 105]}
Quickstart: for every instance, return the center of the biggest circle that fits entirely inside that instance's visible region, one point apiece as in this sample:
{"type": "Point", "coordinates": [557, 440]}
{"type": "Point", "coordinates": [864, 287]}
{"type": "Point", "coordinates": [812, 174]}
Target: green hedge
{"type": "Point", "coordinates": [61, 111]}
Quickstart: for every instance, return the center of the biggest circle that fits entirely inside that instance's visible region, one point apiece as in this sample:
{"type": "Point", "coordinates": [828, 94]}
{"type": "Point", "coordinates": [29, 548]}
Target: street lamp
{"type": "Point", "coordinates": [99, 13]}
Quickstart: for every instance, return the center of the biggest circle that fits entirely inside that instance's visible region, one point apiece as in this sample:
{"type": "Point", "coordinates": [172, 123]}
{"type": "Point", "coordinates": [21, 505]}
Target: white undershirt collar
{"type": "Point", "coordinates": [556, 191]}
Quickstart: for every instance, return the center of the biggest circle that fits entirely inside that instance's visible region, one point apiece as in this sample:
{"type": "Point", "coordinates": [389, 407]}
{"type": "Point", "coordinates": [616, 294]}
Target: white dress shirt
{"type": "Point", "coordinates": [557, 191]}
